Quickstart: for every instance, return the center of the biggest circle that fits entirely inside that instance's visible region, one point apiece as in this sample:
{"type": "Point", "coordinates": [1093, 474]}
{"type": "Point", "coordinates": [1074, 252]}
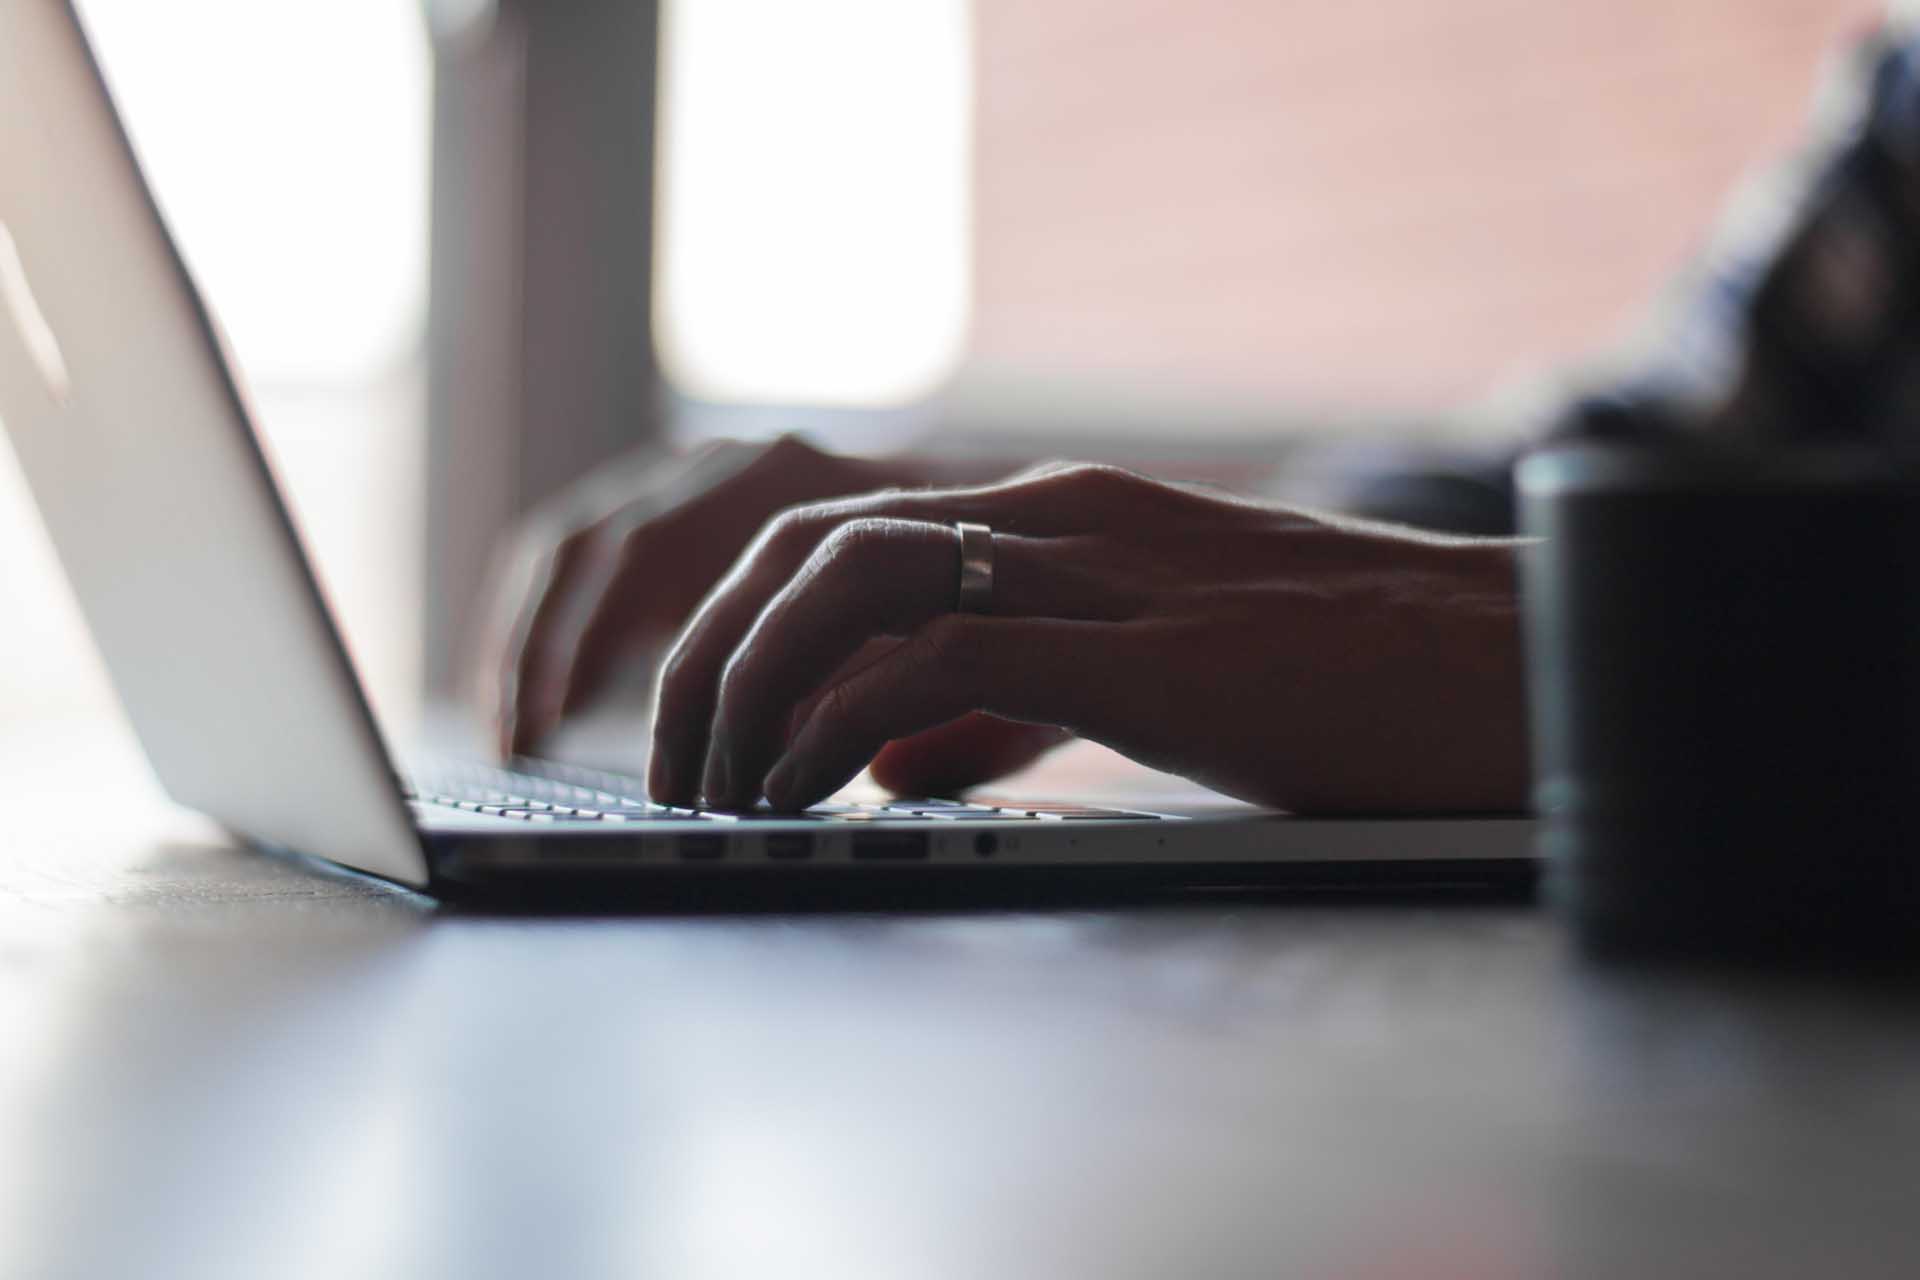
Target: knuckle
{"type": "Point", "coordinates": [788, 536]}
{"type": "Point", "coordinates": [533, 536]}
{"type": "Point", "coordinates": [1043, 470]}
{"type": "Point", "coordinates": [837, 714]}
{"type": "Point", "coordinates": [553, 578]}
{"type": "Point", "coordinates": [575, 543]}
{"type": "Point", "coordinates": [674, 670]}
{"type": "Point", "coordinates": [793, 526]}
{"type": "Point", "coordinates": [637, 538]}
{"type": "Point", "coordinates": [1100, 477]}
{"type": "Point", "coordinates": [1084, 481]}
{"type": "Point", "coordinates": [773, 456]}
{"type": "Point", "coordinates": [790, 445]}
{"type": "Point", "coordinates": [947, 645]}
{"type": "Point", "coordinates": [855, 558]}
{"type": "Point", "coordinates": [856, 538]}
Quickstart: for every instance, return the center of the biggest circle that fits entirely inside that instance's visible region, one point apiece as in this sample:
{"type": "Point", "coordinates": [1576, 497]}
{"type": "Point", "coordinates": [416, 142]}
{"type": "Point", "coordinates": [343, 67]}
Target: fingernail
{"type": "Point", "coordinates": [660, 780]}
{"type": "Point", "coordinates": [780, 782]}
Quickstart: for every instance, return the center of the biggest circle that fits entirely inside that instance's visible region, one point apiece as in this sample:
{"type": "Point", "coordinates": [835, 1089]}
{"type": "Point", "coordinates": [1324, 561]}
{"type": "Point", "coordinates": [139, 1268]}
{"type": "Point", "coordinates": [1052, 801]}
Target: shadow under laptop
{"type": "Point", "coordinates": [931, 890]}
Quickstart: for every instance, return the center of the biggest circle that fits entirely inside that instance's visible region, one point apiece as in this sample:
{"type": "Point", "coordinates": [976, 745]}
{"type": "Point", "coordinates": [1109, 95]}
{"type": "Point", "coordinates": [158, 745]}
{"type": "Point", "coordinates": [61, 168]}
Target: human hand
{"type": "Point", "coordinates": [612, 574]}
{"type": "Point", "coordinates": [613, 570]}
{"type": "Point", "coordinates": [1286, 658]}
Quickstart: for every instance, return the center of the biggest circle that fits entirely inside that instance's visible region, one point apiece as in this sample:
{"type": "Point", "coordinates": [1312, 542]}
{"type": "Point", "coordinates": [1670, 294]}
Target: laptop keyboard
{"type": "Point", "coordinates": [545, 792]}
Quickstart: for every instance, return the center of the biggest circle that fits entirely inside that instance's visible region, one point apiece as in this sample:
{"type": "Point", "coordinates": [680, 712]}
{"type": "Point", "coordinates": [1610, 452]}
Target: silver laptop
{"type": "Point", "coordinates": [136, 441]}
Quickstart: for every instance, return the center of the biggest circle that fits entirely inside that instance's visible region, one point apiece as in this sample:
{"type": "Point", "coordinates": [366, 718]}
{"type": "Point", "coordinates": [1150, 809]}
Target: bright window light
{"type": "Point", "coordinates": [814, 173]}
{"type": "Point", "coordinates": [287, 144]}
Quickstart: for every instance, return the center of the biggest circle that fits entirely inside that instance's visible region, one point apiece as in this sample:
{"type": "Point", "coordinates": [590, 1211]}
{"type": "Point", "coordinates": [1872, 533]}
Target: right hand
{"type": "Point", "coordinates": [610, 574]}
{"type": "Point", "coordinates": [1294, 660]}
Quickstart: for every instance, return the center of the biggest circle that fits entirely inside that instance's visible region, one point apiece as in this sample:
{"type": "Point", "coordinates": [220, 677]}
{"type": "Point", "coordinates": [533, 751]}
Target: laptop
{"type": "Point", "coordinates": [136, 440]}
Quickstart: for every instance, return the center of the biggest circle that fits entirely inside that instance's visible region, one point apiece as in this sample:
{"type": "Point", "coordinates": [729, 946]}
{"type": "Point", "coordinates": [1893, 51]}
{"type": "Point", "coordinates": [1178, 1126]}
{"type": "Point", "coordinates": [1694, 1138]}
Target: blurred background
{"type": "Point", "coordinates": [468, 249]}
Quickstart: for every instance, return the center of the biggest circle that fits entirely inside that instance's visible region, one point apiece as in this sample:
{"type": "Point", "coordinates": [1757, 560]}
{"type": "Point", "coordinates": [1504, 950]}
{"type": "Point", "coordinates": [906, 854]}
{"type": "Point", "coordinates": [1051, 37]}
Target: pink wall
{"type": "Point", "coordinates": [1378, 201]}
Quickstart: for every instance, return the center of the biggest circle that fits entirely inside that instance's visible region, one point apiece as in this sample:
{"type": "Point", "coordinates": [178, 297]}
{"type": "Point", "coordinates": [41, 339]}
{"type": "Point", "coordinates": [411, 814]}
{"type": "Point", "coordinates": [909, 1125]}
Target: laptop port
{"type": "Point", "coordinates": [702, 848]}
{"type": "Point", "coordinates": [788, 846]}
{"type": "Point", "coordinates": [890, 845]}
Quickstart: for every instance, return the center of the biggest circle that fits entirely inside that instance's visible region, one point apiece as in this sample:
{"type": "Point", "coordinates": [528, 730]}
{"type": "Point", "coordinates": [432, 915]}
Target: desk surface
{"type": "Point", "coordinates": [216, 1064]}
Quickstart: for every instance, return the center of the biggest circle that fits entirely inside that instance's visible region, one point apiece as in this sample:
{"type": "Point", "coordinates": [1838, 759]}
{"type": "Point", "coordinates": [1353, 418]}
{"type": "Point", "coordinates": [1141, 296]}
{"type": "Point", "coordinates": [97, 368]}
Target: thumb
{"type": "Point", "coordinates": [961, 753]}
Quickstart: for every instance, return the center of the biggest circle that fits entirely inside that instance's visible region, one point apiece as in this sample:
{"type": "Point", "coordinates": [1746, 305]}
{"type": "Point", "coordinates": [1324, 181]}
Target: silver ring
{"type": "Point", "coordinates": [976, 569]}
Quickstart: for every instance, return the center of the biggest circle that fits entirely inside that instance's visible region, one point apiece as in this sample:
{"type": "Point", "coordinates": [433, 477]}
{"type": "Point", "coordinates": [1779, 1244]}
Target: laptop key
{"type": "Point", "coordinates": [1086, 815]}
{"type": "Point", "coordinates": [544, 815]}
{"type": "Point", "coordinates": [919, 810]}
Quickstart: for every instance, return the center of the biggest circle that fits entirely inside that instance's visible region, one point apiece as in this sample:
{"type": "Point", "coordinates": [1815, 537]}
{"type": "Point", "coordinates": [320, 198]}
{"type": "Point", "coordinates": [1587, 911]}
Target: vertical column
{"type": "Point", "coordinates": [541, 346]}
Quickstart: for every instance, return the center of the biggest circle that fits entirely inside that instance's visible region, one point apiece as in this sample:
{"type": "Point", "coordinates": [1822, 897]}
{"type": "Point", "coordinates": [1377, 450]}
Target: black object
{"type": "Point", "coordinates": [1724, 653]}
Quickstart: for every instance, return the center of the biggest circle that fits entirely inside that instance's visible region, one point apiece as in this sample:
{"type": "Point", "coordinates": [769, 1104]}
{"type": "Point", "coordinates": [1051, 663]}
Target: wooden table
{"type": "Point", "coordinates": [218, 1064]}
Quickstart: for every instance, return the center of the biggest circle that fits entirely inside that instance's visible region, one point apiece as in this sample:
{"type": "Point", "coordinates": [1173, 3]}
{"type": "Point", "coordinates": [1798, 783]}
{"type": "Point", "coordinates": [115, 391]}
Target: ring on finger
{"type": "Point", "coordinates": [975, 592]}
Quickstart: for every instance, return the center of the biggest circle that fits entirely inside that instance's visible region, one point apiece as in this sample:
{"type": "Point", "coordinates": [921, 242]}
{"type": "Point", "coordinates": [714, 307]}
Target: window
{"type": "Point", "coordinates": [813, 232]}
{"type": "Point", "coordinates": [1246, 210]}
{"type": "Point", "coordinates": [288, 146]}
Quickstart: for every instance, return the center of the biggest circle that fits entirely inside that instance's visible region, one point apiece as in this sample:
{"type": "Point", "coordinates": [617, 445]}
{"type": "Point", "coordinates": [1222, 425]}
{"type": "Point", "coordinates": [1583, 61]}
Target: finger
{"type": "Point", "coordinates": [869, 578]}
{"type": "Point", "coordinates": [645, 494]}
{"type": "Point", "coordinates": [625, 617]}
{"type": "Point", "coordinates": [947, 759]}
{"type": "Point", "coordinates": [684, 694]}
{"type": "Point", "coordinates": [1048, 672]}
{"type": "Point", "coordinates": [669, 561]}
{"type": "Point", "coordinates": [868, 654]}
{"type": "Point", "coordinates": [529, 695]}
{"type": "Point", "coordinates": [1057, 502]}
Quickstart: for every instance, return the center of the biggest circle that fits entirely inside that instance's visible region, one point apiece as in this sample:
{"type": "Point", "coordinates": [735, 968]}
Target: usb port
{"type": "Point", "coordinates": [890, 845]}
{"type": "Point", "coordinates": [704, 848]}
{"type": "Point", "coordinates": [788, 846]}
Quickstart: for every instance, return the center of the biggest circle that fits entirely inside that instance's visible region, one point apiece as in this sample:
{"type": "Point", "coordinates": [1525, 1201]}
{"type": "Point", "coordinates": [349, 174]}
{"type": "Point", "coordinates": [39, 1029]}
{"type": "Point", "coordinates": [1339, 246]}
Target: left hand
{"type": "Point", "coordinates": [1289, 659]}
